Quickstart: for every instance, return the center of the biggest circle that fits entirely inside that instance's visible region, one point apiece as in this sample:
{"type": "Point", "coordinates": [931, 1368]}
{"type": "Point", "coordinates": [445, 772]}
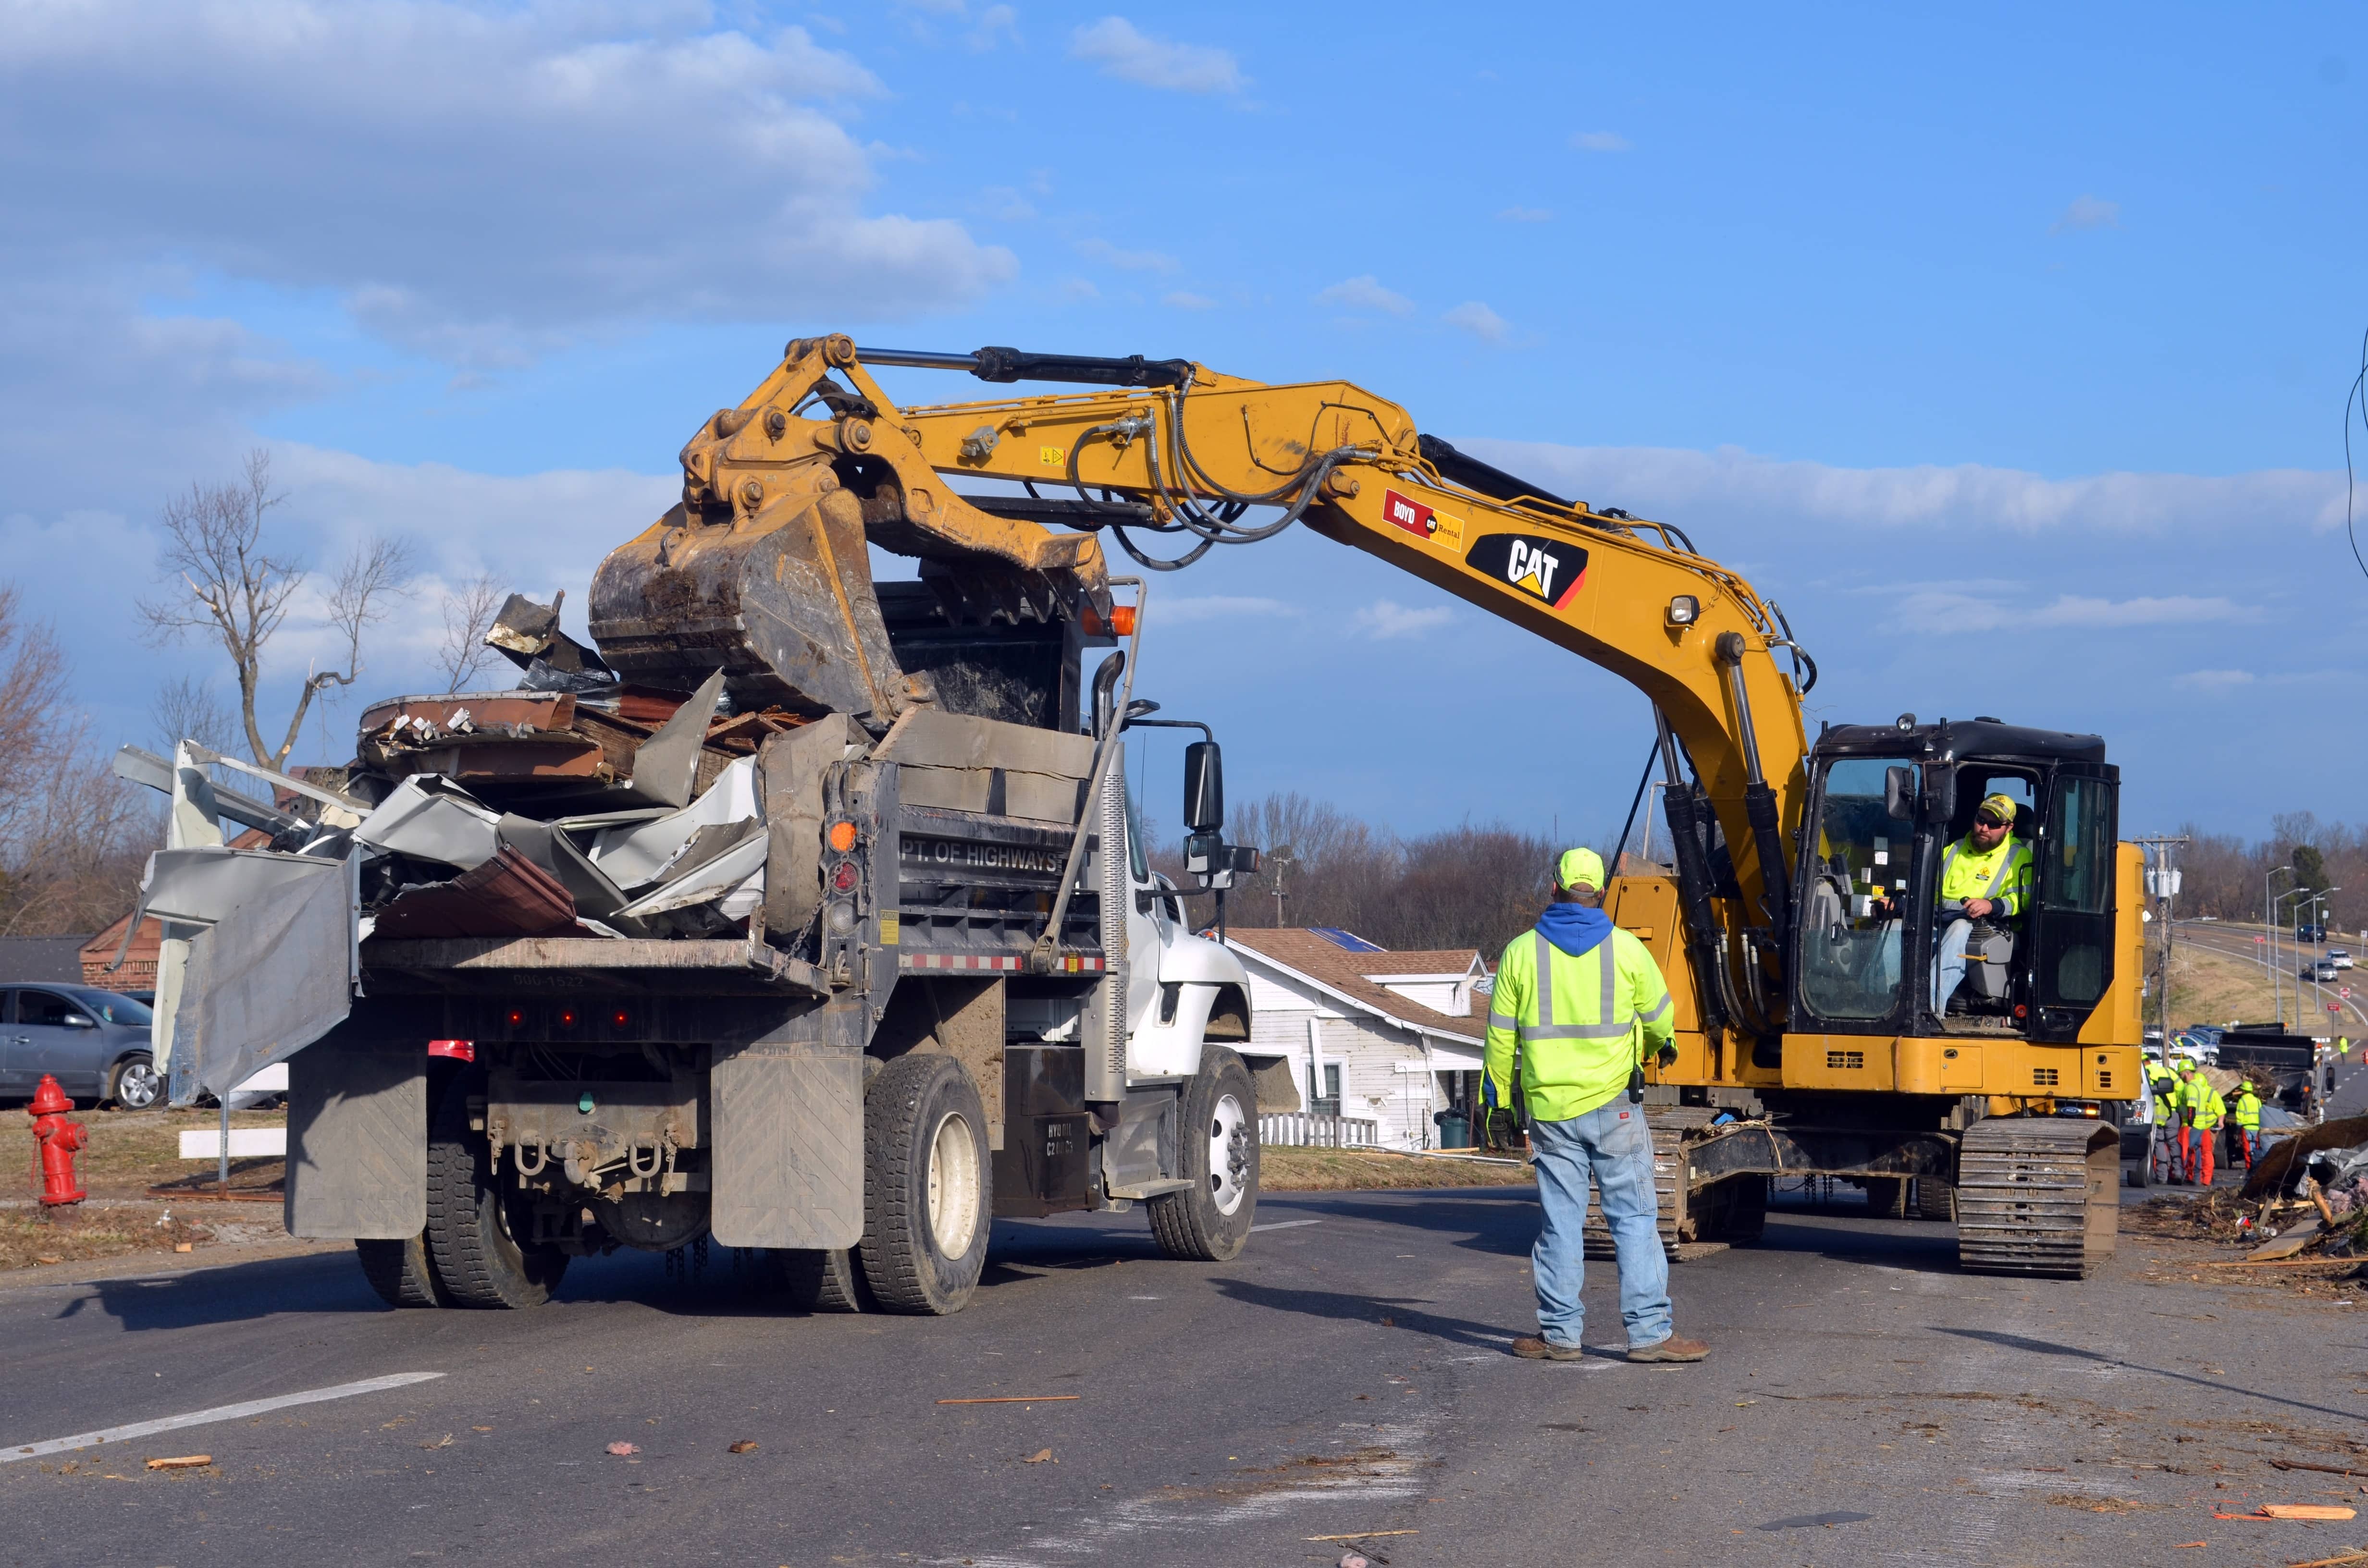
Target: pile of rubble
{"type": "Point", "coordinates": [575, 804]}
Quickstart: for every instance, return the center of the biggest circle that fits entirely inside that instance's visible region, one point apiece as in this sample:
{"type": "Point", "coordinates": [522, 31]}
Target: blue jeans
{"type": "Point", "coordinates": [1949, 963]}
{"type": "Point", "coordinates": [1612, 1142]}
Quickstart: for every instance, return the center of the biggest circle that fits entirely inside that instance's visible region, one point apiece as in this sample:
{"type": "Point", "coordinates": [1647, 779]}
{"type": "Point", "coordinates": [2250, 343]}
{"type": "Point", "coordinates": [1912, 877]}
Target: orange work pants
{"type": "Point", "coordinates": [2205, 1137]}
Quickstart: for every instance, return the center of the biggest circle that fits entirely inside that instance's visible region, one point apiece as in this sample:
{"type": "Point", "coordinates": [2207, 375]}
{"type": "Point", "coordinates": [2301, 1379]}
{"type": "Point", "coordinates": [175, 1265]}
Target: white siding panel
{"type": "Point", "coordinates": [1279, 1032]}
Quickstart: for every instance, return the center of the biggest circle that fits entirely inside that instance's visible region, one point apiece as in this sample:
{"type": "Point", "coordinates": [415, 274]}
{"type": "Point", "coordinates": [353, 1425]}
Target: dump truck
{"type": "Point", "coordinates": [833, 969]}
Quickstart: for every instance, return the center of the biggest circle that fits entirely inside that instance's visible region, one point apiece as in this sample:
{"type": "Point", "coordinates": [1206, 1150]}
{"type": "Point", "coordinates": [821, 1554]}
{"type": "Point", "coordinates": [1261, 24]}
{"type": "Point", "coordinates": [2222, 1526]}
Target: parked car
{"type": "Point", "coordinates": [2340, 956]}
{"type": "Point", "coordinates": [96, 1043]}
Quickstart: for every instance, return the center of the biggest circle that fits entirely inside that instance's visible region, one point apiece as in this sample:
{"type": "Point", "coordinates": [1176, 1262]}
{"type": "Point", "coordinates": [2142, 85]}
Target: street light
{"type": "Point", "coordinates": [2270, 937]}
{"type": "Point", "coordinates": [2278, 975]}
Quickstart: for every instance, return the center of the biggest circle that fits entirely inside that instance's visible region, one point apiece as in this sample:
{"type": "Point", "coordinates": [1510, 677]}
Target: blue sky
{"type": "Point", "coordinates": [2007, 355]}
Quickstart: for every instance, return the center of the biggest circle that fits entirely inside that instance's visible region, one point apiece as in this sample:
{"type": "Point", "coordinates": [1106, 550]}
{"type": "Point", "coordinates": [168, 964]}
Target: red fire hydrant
{"type": "Point", "coordinates": [58, 1140]}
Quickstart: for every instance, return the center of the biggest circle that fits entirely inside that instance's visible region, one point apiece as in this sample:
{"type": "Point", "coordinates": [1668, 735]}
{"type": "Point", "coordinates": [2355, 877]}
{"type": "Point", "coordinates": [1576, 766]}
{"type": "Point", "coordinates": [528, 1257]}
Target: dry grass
{"type": "Point", "coordinates": [1340, 1170]}
{"type": "Point", "coordinates": [130, 1151]}
{"type": "Point", "coordinates": [29, 1237]}
{"type": "Point", "coordinates": [2212, 988]}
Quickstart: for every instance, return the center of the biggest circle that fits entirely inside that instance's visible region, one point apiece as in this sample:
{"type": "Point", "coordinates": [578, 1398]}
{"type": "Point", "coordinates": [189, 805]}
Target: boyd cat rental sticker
{"type": "Point", "coordinates": [1423, 521]}
{"type": "Point", "coordinates": [1549, 570]}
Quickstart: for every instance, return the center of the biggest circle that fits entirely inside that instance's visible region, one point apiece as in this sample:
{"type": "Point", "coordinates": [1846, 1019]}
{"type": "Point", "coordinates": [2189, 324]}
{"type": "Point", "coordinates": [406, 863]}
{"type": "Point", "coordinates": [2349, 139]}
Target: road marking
{"type": "Point", "coordinates": [1282, 1225]}
{"type": "Point", "coordinates": [219, 1412]}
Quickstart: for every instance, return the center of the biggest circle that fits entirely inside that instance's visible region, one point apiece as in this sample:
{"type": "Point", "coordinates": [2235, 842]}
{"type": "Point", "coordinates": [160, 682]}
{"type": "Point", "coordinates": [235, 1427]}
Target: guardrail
{"type": "Point", "coordinates": [1298, 1129]}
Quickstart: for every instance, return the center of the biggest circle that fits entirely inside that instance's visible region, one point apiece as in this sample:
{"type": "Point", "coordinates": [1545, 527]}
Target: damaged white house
{"type": "Point", "coordinates": [1361, 1031]}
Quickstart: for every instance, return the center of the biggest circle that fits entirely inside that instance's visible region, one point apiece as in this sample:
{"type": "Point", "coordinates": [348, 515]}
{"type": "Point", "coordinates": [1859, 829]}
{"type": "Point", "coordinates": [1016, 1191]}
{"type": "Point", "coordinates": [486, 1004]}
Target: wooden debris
{"type": "Point", "coordinates": [1039, 1457]}
{"type": "Point", "coordinates": [1363, 1535]}
{"type": "Point", "coordinates": [744, 1446]}
{"type": "Point", "coordinates": [2286, 1245]}
{"type": "Point", "coordinates": [185, 1461]}
{"type": "Point", "coordinates": [2322, 1469]}
{"type": "Point", "coordinates": [2308, 1511]}
{"type": "Point", "coordinates": [1017, 1399]}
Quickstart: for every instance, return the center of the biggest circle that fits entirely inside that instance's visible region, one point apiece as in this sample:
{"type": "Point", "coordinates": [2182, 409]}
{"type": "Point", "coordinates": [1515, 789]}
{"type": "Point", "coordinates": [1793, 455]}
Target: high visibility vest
{"type": "Point", "coordinates": [2209, 1109]}
{"type": "Point", "coordinates": [1579, 1023]}
{"type": "Point", "coordinates": [2003, 875]}
{"type": "Point", "coordinates": [2245, 1111]}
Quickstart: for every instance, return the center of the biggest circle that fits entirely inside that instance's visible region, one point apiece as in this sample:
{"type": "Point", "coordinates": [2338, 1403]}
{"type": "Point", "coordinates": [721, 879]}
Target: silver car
{"type": "Point", "coordinates": [95, 1042]}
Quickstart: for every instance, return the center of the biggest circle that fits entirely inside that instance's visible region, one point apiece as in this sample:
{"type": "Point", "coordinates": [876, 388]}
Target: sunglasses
{"type": "Point", "coordinates": [1987, 822]}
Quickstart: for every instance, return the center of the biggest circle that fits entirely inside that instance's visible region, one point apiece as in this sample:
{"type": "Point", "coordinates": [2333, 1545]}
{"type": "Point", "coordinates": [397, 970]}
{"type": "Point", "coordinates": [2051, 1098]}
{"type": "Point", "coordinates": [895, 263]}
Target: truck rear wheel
{"type": "Point", "coordinates": [819, 1279]}
{"type": "Point", "coordinates": [927, 1186]}
{"type": "Point", "coordinates": [1218, 1148]}
{"type": "Point", "coordinates": [470, 1246]}
{"type": "Point", "coordinates": [400, 1273]}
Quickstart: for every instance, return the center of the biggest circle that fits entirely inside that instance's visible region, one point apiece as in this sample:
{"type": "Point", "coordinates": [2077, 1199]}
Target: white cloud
{"type": "Point", "coordinates": [1598, 141]}
{"type": "Point", "coordinates": [1115, 45]}
{"type": "Point", "coordinates": [996, 24]}
{"type": "Point", "coordinates": [1938, 610]}
{"type": "Point", "coordinates": [1110, 255]}
{"type": "Point", "coordinates": [1364, 292]}
{"type": "Point", "coordinates": [480, 186]}
{"type": "Point", "coordinates": [1478, 320]}
{"type": "Point", "coordinates": [2088, 212]}
{"type": "Point", "coordinates": [1217, 606]}
{"type": "Point", "coordinates": [2214, 683]}
{"type": "Point", "coordinates": [1664, 482]}
{"type": "Point", "coordinates": [1386, 618]}
{"type": "Point", "coordinates": [1185, 300]}
{"type": "Point", "coordinates": [1526, 215]}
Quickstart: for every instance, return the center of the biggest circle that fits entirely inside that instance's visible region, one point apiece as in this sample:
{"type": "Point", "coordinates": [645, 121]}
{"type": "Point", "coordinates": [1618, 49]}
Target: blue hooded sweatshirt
{"type": "Point", "coordinates": [1575, 928]}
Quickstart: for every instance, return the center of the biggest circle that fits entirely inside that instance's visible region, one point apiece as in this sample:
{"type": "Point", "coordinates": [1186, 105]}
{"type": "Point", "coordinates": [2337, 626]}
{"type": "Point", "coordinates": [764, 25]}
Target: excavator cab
{"type": "Point", "coordinates": [1874, 941]}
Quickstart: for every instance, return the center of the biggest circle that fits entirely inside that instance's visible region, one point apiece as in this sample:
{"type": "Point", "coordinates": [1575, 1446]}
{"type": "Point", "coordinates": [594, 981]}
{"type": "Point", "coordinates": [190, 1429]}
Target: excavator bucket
{"type": "Point", "coordinates": [763, 570]}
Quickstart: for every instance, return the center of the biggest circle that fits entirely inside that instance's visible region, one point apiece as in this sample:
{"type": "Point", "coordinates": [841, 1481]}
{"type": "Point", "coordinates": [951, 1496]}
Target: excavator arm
{"type": "Point", "coordinates": [761, 569]}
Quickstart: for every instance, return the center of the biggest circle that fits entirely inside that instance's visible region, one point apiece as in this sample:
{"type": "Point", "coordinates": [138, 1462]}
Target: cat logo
{"type": "Point", "coordinates": [1548, 569]}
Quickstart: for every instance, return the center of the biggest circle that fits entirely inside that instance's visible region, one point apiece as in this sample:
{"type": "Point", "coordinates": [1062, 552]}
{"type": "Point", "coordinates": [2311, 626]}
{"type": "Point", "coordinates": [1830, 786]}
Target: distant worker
{"type": "Point", "coordinates": [2183, 1115]}
{"type": "Point", "coordinates": [1578, 999]}
{"type": "Point", "coordinates": [1983, 876]}
{"type": "Point", "coordinates": [2208, 1111]}
{"type": "Point", "coordinates": [2244, 1115]}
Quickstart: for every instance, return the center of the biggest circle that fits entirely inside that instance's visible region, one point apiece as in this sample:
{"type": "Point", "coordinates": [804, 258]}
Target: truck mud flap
{"type": "Point", "coordinates": [788, 1149]}
{"type": "Point", "coordinates": [358, 1139]}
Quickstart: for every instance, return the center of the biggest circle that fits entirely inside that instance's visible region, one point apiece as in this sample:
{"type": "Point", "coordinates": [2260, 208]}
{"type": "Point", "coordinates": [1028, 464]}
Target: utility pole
{"type": "Point", "coordinates": [2269, 936]}
{"type": "Point", "coordinates": [2162, 880]}
{"type": "Point", "coordinates": [1281, 859]}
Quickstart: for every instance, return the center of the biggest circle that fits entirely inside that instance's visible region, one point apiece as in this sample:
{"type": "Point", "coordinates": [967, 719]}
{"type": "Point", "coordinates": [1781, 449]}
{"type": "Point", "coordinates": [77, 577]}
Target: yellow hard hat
{"type": "Point", "coordinates": [1579, 868]}
{"type": "Point", "coordinates": [2000, 806]}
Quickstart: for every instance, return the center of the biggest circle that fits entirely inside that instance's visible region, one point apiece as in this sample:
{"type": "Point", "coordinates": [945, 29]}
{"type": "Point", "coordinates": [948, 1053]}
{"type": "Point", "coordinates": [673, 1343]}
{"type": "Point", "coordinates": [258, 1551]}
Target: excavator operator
{"type": "Point", "coordinates": [1986, 876]}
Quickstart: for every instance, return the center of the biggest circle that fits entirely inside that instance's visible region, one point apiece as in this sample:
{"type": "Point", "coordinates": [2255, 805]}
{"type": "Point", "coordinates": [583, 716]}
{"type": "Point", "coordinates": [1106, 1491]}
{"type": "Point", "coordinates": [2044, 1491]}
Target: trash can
{"type": "Point", "coordinates": [1454, 1128]}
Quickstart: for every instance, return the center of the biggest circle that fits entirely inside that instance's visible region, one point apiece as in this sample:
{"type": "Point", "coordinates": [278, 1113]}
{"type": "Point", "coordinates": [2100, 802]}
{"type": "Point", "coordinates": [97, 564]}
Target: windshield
{"type": "Point", "coordinates": [1849, 941]}
{"type": "Point", "coordinates": [116, 1009]}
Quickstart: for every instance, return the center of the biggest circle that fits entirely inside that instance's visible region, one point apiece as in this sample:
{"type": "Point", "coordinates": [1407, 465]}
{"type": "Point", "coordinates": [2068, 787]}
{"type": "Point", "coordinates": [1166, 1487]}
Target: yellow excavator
{"type": "Point", "coordinates": [1797, 916]}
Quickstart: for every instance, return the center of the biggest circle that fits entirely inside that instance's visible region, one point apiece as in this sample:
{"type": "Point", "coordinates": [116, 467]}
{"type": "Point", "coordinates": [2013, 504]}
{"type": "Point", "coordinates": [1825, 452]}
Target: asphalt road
{"type": "Point", "coordinates": [1864, 1403]}
{"type": "Point", "coordinates": [2238, 942]}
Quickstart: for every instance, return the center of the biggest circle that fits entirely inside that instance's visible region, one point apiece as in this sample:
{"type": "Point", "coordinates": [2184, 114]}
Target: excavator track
{"type": "Point", "coordinates": [2038, 1196]}
{"type": "Point", "coordinates": [1733, 1210]}
{"type": "Point", "coordinates": [1668, 1189]}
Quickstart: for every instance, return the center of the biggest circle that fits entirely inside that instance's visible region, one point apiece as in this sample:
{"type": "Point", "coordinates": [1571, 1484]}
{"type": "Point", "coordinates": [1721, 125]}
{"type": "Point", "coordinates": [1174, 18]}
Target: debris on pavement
{"type": "Point", "coordinates": [1040, 1457]}
{"type": "Point", "coordinates": [185, 1461]}
{"type": "Point", "coordinates": [1018, 1399]}
{"type": "Point", "coordinates": [622, 1450]}
{"type": "Point", "coordinates": [744, 1446]}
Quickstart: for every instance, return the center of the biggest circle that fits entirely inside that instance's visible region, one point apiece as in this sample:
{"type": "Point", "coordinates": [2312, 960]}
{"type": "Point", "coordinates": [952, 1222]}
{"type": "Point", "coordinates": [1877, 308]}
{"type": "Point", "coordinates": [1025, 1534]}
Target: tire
{"type": "Point", "coordinates": [822, 1281]}
{"type": "Point", "coordinates": [402, 1273]}
{"type": "Point", "coordinates": [469, 1246]}
{"type": "Point", "coordinates": [1217, 1145]}
{"type": "Point", "coordinates": [1887, 1197]}
{"type": "Point", "coordinates": [928, 1185]}
{"type": "Point", "coordinates": [1936, 1199]}
{"type": "Point", "coordinates": [135, 1085]}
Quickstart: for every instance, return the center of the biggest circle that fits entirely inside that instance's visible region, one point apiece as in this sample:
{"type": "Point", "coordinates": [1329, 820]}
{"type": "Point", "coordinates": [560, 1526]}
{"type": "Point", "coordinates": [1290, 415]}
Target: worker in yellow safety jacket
{"type": "Point", "coordinates": [2163, 1083]}
{"type": "Point", "coordinates": [2206, 1110]}
{"type": "Point", "coordinates": [2244, 1115]}
{"type": "Point", "coordinates": [1983, 876]}
{"type": "Point", "coordinates": [1579, 1000]}
{"type": "Point", "coordinates": [2182, 1116]}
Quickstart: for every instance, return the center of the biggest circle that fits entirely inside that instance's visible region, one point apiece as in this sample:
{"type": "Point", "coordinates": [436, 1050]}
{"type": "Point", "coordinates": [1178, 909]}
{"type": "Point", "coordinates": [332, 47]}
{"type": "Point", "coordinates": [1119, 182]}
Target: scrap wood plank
{"type": "Point", "coordinates": [2323, 1469]}
{"type": "Point", "coordinates": [1363, 1535]}
{"type": "Point", "coordinates": [1017, 1399]}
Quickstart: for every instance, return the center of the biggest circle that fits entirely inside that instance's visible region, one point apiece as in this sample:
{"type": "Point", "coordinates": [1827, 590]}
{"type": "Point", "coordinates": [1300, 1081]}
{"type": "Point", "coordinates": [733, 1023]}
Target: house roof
{"type": "Point", "coordinates": [1341, 974]}
{"type": "Point", "coordinates": [1427, 961]}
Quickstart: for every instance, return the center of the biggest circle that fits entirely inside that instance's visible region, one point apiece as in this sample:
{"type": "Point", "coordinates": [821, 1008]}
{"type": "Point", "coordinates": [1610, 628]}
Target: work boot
{"type": "Point", "coordinates": [1671, 1350]}
{"type": "Point", "coordinates": [1529, 1347]}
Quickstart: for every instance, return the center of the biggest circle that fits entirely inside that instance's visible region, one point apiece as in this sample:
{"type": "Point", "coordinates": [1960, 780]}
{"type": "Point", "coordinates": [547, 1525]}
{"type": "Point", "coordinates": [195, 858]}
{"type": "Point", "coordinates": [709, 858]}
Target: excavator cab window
{"type": "Point", "coordinates": [1849, 941]}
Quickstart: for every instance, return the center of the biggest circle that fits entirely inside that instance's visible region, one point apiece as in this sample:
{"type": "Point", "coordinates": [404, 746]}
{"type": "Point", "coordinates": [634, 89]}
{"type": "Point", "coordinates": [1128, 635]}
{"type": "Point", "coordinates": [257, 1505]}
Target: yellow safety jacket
{"type": "Point", "coordinates": [1580, 1023]}
{"type": "Point", "coordinates": [2209, 1107]}
{"type": "Point", "coordinates": [2003, 874]}
{"type": "Point", "coordinates": [2245, 1111]}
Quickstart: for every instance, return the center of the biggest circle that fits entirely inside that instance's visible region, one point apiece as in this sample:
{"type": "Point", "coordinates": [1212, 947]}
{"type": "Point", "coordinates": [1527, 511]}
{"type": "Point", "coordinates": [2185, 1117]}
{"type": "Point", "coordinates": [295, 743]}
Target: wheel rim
{"type": "Point", "coordinates": [953, 1185]}
{"type": "Point", "coordinates": [1229, 1155]}
{"type": "Point", "coordinates": [138, 1086]}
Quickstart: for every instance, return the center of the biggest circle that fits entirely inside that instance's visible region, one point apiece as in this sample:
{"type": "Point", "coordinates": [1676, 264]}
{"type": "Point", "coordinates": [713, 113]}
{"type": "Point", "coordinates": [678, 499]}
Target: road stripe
{"type": "Point", "coordinates": [219, 1412]}
{"type": "Point", "coordinates": [1282, 1225]}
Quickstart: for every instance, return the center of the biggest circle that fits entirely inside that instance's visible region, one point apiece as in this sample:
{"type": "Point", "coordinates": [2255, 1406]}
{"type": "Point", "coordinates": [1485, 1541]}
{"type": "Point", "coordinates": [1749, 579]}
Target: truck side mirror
{"type": "Point", "coordinates": [1900, 793]}
{"type": "Point", "coordinates": [1204, 787]}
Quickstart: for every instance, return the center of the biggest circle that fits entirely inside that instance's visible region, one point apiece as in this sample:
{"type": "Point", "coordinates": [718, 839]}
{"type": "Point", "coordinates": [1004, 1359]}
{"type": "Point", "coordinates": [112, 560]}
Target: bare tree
{"type": "Point", "coordinates": [469, 614]}
{"type": "Point", "coordinates": [71, 836]}
{"type": "Point", "coordinates": [186, 709]}
{"type": "Point", "coordinates": [237, 590]}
